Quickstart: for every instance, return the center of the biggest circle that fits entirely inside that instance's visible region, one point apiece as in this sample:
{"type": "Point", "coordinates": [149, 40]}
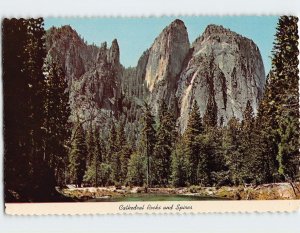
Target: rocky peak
{"type": "Point", "coordinates": [102, 54]}
{"type": "Point", "coordinates": [167, 54]}
{"type": "Point", "coordinates": [65, 46]}
{"type": "Point", "coordinates": [221, 69]}
{"type": "Point", "coordinates": [114, 52]}
{"type": "Point", "coordinates": [226, 64]}
{"type": "Point", "coordinates": [164, 62]}
{"type": "Point", "coordinates": [109, 55]}
{"type": "Point", "coordinates": [216, 29]}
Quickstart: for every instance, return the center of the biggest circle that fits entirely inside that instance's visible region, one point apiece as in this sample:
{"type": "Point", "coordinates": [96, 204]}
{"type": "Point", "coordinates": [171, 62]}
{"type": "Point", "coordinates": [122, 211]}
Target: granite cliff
{"type": "Point", "coordinates": [225, 67]}
{"type": "Point", "coordinates": [93, 73]}
{"type": "Point", "coordinates": [220, 65]}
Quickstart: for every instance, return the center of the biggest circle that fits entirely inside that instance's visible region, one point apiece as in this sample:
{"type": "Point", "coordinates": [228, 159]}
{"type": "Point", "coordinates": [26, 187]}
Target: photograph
{"type": "Point", "coordinates": [150, 109]}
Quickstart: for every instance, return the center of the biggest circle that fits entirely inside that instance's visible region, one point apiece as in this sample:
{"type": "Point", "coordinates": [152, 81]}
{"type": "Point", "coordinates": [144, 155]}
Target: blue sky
{"type": "Point", "coordinates": [135, 35]}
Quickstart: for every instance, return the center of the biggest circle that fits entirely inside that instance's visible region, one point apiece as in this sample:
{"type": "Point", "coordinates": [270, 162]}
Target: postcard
{"type": "Point", "coordinates": [187, 114]}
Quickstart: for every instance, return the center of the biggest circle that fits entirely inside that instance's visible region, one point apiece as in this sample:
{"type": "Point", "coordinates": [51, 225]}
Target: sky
{"type": "Point", "coordinates": [135, 35]}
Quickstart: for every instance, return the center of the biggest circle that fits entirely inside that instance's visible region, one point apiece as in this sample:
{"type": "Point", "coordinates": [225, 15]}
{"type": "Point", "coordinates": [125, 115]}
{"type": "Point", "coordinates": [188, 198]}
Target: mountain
{"type": "Point", "coordinates": [166, 56]}
{"type": "Point", "coordinates": [93, 73]}
{"type": "Point", "coordinates": [225, 67]}
{"type": "Point", "coordinates": [220, 65]}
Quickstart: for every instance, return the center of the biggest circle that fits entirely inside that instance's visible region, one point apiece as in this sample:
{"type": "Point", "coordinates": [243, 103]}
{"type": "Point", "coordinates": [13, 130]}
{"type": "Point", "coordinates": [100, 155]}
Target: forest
{"type": "Point", "coordinates": [43, 149]}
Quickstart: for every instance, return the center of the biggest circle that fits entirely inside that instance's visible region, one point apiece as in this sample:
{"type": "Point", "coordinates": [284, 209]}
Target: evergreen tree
{"type": "Point", "coordinates": [94, 149]}
{"type": "Point", "coordinates": [178, 166]}
{"type": "Point", "coordinates": [105, 174]}
{"type": "Point", "coordinates": [285, 67]}
{"type": "Point", "coordinates": [279, 109]}
{"type": "Point", "coordinates": [136, 169]}
{"type": "Point", "coordinates": [211, 162]}
{"type": "Point", "coordinates": [56, 126]}
{"type": "Point", "coordinates": [78, 154]}
{"type": "Point", "coordinates": [111, 143]}
{"type": "Point", "coordinates": [148, 140]}
{"type": "Point", "coordinates": [165, 139]}
{"type": "Point", "coordinates": [124, 159]}
{"type": "Point", "coordinates": [210, 118]}
{"type": "Point", "coordinates": [26, 172]}
{"type": "Point", "coordinates": [91, 145]}
{"type": "Point", "coordinates": [233, 156]}
{"type": "Point", "coordinates": [120, 144]}
{"type": "Point", "coordinates": [193, 146]}
{"type": "Point", "coordinates": [248, 117]}
{"type": "Point", "coordinates": [252, 170]}
{"type": "Point", "coordinates": [267, 127]}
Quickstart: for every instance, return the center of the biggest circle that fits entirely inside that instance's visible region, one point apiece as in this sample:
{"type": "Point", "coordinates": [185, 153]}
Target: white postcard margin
{"type": "Point", "coordinates": [179, 207]}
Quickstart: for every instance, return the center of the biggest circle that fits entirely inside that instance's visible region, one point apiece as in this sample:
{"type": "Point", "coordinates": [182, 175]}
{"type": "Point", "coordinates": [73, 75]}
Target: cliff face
{"type": "Point", "coordinates": [224, 66]}
{"type": "Point", "coordinates": [98, 90]}
{"type": "Point", "coordinates": [166, 56]}
{"type": "Point", "coordinates": [220, 65]}
{"type": "Point", "coordinates": [93, 73]}
{"type": "Point", "coordinates": [73, 54]}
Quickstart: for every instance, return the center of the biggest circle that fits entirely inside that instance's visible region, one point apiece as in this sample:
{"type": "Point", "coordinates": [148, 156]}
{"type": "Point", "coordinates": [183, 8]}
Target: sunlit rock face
{"type": "Point", "coordinates": [219, 65]}
{"type": "Point", "coordinates": [225, 65]}
{"type": "Point", "coordinates": [166, 57]}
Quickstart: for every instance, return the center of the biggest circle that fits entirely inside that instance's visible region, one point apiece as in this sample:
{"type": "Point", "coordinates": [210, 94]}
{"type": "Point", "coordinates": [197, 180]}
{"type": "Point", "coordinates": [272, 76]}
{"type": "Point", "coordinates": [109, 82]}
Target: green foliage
{"type": "Point", "coordinates": [148, 140]}
{"type": "Point", "coordinates": [111, 143]}
{"type": "Point", "coordinates": [125, 154]}
{"type": "Point", "coordinates": [136, 169]}
{"type": "Point", "coordinates": [56, 126]}
{"type": "Point", "coordinates": [233, 156]}
{"type": "Point", "coordinates": [165, 138]}
{"type": "Point", "coordinates": [285, 68]}
{"type": "Point", "coordinates": [105, 174]}
{"type": "Point", "coordinates": [192, 146]}
{"type": "Point", "coordinates": [279, 109]}
{"type": "Point", "coordinates": [120, 144]}
{"type": "Point", "coordinates": [179, 166]}
{"type": "Point", "coordinates": [78, 154]}
{"type": "Point", "coordinates": [259, 149]}
{"type": "Point", "coordinates": [95, 149]}
{"type": "Point", "coordinates": [210, 118]}
{"type": "Point", "coordinates": [26, 171]}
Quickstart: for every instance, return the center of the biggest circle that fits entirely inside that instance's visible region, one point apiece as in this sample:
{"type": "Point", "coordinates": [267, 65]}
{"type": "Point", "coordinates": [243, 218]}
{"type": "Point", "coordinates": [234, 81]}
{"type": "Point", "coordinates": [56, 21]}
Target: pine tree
{"type": "Point", "coordinates": [94, 149]}
{"type": "Point", "coordinates": [77, 156]}
{"type": "Point", "coordinates": [233, 156]}
{"type": "Point", "coordinates": [111, 144]}
{"type": "Point", "coordinates": [248, 117]}
{"type": "Point", "coordinates": [91, 145]}
{"type": "Point", "coordinates": [124, 159]}
{"type": "Point", "coordinates": [267, 127]}
{"type": "Point", "coordinates": [120, 144]}
{"type": "Point", "coordinates": [24, 51]}
{"type": "Point", "coordinates": [192, 146]}
{"type": "Point", "coordinates": [136, 169]}
{"type": "Point", "coordinates": [249, 148]}
{"type": "Point", "coordinates": [278, 111]}
{"type": "Point", "coordinates": [210, 118]}
{"type": "Point", "coordinates": [178, 166]}
{"type": "Point", "coordinates": [57, 111]}
{"type": "Point", "coordinates": [165, 139]}
{"type": "Point", "coordinates": [148, 140]}
{"type": "Point", "coordinates": [285, 68]}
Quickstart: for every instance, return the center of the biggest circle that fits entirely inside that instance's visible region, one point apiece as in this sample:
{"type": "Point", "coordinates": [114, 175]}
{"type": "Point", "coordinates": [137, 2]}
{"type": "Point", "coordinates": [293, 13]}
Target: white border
{"type": "Point", "coordinates": [147, 223]}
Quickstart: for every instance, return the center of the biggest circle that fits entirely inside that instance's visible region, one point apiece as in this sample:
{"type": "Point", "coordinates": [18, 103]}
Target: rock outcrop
{"type": "Point", "coordinates": [224, 66]}
{"type": "Point", "coordinates": [93, 73]}
{"type": "Point", "coordinates": [165, 60]}
{"type": "Point", "coordinates": [220, 67]}
{"type": "Point", "coordinates": [75, 57]}
{"type": "Point", "coordinates": [98, 90]}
